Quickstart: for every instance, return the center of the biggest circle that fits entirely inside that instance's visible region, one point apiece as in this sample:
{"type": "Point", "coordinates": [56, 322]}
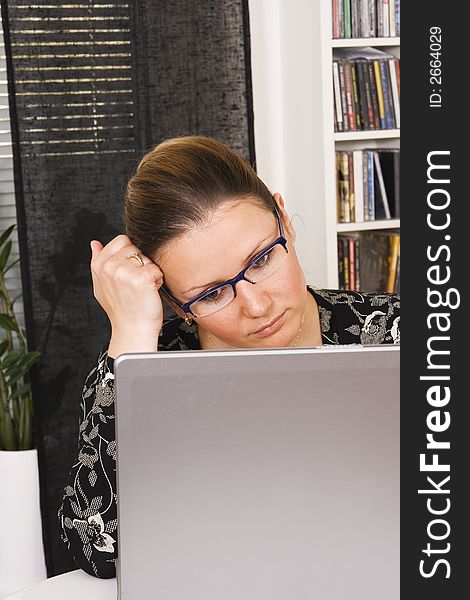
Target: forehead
{"type": "Point", "coordinates": [216, 251]}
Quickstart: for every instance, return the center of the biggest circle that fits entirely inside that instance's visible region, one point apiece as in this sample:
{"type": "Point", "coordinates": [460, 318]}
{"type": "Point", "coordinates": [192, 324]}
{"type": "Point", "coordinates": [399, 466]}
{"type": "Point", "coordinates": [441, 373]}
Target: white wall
{"type": "Point", "coordinates": [288, 122]}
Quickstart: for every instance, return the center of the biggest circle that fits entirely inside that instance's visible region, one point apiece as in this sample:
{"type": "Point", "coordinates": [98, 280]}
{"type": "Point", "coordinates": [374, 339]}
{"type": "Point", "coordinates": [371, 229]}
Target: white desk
{"type": "Point", "coordinates": [76, 585]}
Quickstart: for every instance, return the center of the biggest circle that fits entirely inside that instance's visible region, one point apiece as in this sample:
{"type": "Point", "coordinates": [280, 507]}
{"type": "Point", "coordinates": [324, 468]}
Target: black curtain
{"type": "Point", "coordinates": [92, 86]}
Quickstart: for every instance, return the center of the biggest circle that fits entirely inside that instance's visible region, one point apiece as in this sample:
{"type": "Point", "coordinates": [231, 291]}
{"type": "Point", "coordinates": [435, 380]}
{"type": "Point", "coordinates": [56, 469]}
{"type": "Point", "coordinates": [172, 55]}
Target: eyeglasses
{"type": "Point", "coordinates": [265, 264]}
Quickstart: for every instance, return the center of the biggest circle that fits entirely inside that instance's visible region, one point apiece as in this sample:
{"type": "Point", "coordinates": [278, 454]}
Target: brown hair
{"type": "Point", "coordinates": [180, 183]}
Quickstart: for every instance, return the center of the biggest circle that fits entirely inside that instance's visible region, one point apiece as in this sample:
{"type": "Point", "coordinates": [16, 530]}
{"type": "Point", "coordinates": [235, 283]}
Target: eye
{"type": "Point", "coordinates": [262, 261]}
{"type": "Point", "coordinates": [212, 297]}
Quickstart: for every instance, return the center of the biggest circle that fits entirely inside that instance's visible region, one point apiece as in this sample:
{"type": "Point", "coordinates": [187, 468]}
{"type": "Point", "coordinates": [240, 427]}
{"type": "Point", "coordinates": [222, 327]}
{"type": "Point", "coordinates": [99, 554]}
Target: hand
{"type": "Point", "coordinates": [126, 291]}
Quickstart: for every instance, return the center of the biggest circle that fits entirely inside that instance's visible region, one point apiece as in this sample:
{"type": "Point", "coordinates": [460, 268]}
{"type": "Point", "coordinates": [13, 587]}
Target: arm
{"type": "Point", "coordinates": [88, 515]}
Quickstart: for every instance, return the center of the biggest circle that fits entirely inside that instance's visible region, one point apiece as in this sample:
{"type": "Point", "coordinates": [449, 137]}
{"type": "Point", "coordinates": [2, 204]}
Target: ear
{"type": "Point", "coordinates": [285, 217]}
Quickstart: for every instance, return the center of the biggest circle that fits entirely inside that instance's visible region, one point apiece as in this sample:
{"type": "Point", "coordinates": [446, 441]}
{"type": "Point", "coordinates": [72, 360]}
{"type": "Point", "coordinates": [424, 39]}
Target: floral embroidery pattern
{"type": "Point", "coordinates": [93, 531]}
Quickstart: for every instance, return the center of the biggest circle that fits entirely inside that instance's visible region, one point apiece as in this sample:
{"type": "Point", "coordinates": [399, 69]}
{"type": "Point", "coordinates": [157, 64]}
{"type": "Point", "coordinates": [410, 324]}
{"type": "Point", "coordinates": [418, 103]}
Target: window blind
{"type": "Point", "coordinates": [7, 191]}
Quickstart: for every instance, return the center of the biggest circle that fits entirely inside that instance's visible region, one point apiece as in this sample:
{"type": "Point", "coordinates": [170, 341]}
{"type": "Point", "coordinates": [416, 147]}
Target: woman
{"type": "Point", "coordinates": [205, 233]}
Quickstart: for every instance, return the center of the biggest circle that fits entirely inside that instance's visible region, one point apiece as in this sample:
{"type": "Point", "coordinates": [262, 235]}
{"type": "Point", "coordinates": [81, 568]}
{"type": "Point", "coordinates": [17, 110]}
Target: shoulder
{"type": "Point", "coordinates": [349, 317]}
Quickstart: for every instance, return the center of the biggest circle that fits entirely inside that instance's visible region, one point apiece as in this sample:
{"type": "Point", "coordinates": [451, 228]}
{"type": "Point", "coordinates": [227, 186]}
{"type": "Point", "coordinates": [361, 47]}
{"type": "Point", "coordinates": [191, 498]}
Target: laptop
{"type": "Point", "coordinates": [266, 474]}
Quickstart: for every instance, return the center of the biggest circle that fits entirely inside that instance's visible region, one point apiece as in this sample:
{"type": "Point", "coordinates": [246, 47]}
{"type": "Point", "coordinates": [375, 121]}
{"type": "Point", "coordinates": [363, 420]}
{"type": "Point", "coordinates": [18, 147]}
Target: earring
{"type": "Point", "coordinates": [188, 320]}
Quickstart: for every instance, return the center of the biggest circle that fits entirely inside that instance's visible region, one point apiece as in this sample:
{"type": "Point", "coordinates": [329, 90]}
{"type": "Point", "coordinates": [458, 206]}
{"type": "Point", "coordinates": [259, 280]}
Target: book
{"type": "Point", "coordinates": [393, 262]}
{"type": "Point", "coordinates": [342, 87]}
{"type": "Point", "coordinates": [380, 96]}
{"type": "Point", "coordinates": [392, 23]}
{"type": "Point", "coordinates": [374, 96]}
{"type": "Point", "coordinates": [363, 107]}
{"type": "Point", "coordinates": [352, 265]}
{"type": "Point", "coordinates": [337, 93]}
{"type": "Point", "coordinates": [347, 19]}
{"type": "Point", "coordinates": [397, 277]}
{"type": "Point", "coordinates": [365, 18]}
{"type": "Point", "coordinates": [343, 180]}
{"type": "Point", "coordinates": [382, 208]}
{"type": "Point", "coordinates": [349, 95]}
{"type": "Point", "coordinates": [352, 191]}
{"type": "Point", "coordinates": [346, 262]}
{"type": "Point", "coordinates": [358, 185]}
{"type": "Point", "coordinates": [390, 166]}
{"type": "Point", "coordinates": [340, 264]}
{"type": "Point", "coordinates": [370, 185]}
{"type": "Point", "coordinates": [387, 93]}
{"type": "Point", "coordinates": [395, 95]}
{"type": "Point", "coordinates": [357, 266]}
{"type": "Point", "coordinates": [375, 250]}
{"type": "Point", "coordinates": [358, 120]}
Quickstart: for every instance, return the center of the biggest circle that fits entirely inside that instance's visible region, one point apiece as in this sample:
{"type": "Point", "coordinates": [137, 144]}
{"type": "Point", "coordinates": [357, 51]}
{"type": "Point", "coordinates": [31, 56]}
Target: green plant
{"type": "Point", "coordinates": [16, 407]}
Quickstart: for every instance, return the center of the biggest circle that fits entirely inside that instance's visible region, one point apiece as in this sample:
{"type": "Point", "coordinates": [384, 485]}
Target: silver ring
{"type": "Point", "coordinates": [137, 256]}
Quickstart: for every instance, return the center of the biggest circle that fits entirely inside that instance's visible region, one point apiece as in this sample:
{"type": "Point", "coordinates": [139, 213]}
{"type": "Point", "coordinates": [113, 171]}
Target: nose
{"type": "Point", "coordinates": [253, 299]}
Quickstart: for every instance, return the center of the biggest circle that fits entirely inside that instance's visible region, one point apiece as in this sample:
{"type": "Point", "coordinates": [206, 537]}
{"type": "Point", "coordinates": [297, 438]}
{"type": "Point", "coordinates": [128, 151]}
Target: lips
{"type": "Point", "coordinates": [271, 326]}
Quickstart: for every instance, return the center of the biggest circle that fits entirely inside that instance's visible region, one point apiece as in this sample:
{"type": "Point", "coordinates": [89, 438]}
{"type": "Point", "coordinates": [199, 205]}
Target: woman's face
{"type": "Point", "coordinates": [206, 256]}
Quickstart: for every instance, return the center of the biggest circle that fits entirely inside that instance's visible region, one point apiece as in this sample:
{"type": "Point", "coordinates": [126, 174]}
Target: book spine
{"type": "Point", "coordinates": [373, 94]}
{"type": "Point", "coordinates": [380, 179]}
{"type": "Point", "coordinates": [345, 187]}
{"type": "Point", "coordinates": [335, 23]}
{"type": "Point", "coordinates": [397, 18]}
{"type": "Point", "coordinates": [352, 196]}
{"type": "Point", "coordinates": [386, 18]}
{"type": "Point", "coordinates": [360, 66]}
{"type": "Point", "coordinates": [372, 19]}
{"type": "Point", "coordinates": [358, 186]}
{"type": "Point", "coordinates": [341, 18]}
{"type": "Point", "coordinates": [391, 8]}
{"type": "Point", "coordinates": [396, 172]}
{"type": "Point", "coordinates": [380, 18]}
{"type": "Point", "coordinates": [347, 18]}
{"type": "Point", "coordinates": [392, 263]}
{"type": "Point", "coordinates": [365, 184]}
{"type": "Point", "coordinates": [349, 95]}
{"type": "Point", "coordinates": [346, 263]}
{"type": "Point", "coordinates": [340, 264]}
{"type": "Point", "coordinates": [397, 69]}
{"type": "Point", "coordinates": [365, 25]}
{"type": "Point", "coordinates": [339, 201]}
{"type": "Point", "coordinates": [352, 264]}
{"type": "Point", "coordinates": [357, 266]}
{"type": "Point", "coordinates": [358, 121]}
{"type": "Point", "coordinates": [371, 184]}
{"type": "Point", "coordinates": [394, 86]}
{"type": "Point", "coordinates": [337, 94]}
{"type": "Point", "coordinates": [367, 94]}
{"type": "Point", "coordinates": [380, 98]}
{"type": "Point", "coordinates": [344, 103]}
{"type": "Point", "coordinates": [397, 276]}
{"type": "Point", "coordinates": [387, 94]}
{"type": "Point", "coordinates": [353, 4]}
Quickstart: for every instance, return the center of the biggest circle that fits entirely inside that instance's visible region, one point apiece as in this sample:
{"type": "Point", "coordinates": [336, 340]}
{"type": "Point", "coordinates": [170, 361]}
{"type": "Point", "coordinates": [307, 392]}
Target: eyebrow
{"type": "Point", "coordinates": [247, 259]}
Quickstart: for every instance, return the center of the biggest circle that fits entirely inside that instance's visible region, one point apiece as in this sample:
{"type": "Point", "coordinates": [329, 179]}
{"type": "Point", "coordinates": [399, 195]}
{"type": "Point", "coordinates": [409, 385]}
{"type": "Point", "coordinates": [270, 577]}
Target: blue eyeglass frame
{"type": "Point", "coordinates": [186, 308]}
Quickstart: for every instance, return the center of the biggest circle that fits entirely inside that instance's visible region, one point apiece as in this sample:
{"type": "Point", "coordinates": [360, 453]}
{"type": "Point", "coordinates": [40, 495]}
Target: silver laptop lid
{"type": "Point", "coordinates": [260, 474]}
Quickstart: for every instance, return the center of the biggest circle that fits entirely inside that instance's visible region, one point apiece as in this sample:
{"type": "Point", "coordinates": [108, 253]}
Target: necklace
{"type": "Point", "coordinates": [298, 333]}
{"type": "Point", "coordinates": [293, 345]}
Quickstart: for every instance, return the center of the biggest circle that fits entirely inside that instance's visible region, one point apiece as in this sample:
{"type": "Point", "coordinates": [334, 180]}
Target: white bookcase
{"type": "Point", "coordinates": [292, 55]}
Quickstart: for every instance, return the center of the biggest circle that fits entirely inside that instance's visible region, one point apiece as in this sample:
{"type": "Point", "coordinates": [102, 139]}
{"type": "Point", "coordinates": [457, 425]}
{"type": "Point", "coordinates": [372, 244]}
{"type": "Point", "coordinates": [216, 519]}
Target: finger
{"type": "Point", "coordinates": [116, 245]}
{"type": "Point", "coordinates": [96, 247]}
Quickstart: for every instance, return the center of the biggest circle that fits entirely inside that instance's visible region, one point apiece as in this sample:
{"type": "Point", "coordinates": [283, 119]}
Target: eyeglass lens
{"type": "Point", "coordinates": [266, 265]}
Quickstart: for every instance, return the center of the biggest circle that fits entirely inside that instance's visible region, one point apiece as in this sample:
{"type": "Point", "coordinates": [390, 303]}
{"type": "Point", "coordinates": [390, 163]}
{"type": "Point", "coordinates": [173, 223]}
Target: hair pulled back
{"type": "Point", "coordinates": [180, 183]}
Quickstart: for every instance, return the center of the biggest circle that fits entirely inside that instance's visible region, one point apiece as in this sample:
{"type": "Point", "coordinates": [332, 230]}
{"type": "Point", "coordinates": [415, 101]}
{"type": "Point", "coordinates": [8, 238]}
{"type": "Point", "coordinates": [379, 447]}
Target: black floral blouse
{"type": "Point", "coordinates": [87, 514]}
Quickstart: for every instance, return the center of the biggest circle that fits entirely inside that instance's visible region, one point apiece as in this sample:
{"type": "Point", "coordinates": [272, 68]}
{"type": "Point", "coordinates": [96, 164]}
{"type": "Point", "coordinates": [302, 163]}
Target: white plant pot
{"type": "Point", "coordinates": [21, 549]}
